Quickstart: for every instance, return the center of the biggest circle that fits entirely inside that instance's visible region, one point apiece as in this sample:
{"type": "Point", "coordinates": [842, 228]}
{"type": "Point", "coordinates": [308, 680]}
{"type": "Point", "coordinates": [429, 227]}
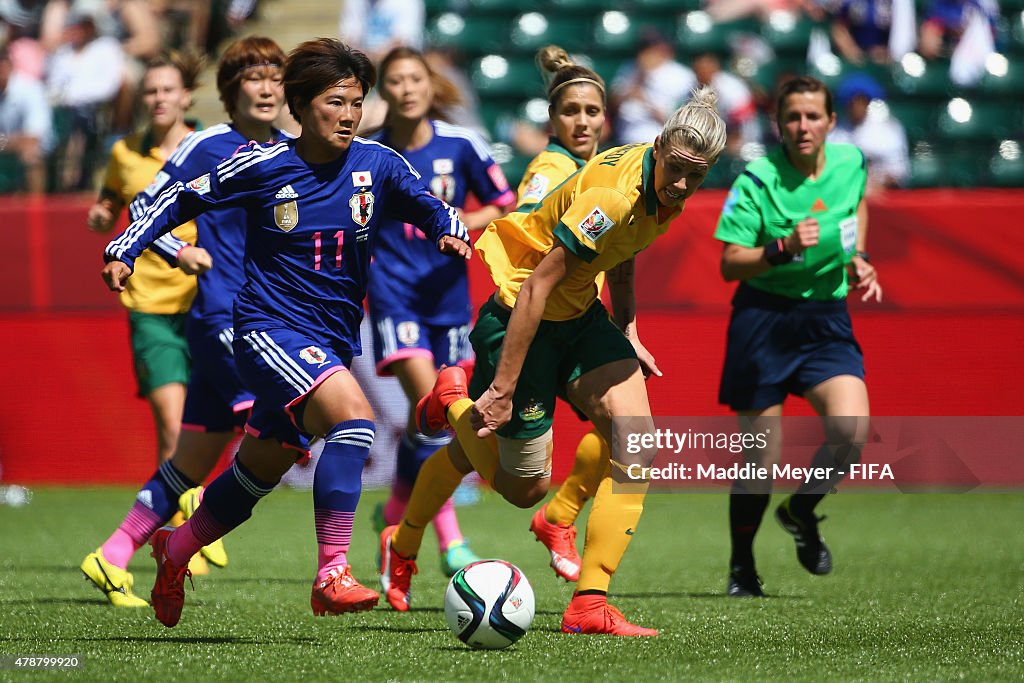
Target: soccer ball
{"type": "Point", "coordinates": [489, 604]}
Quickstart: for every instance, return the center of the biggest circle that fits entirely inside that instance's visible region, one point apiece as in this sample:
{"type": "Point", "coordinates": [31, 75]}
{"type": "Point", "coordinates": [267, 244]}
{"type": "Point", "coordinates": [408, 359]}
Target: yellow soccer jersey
{"type": "Point", "coordinates": [605, 214]}
{"type": "Point", "coordinates": [546, 172]}
{"type": "Point", "coordinates": [154, 287]}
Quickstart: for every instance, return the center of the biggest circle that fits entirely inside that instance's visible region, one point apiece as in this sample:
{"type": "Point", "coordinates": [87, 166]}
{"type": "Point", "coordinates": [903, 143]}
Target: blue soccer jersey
{"type": "Point", "coordinates": [220, 232]}
{"type": "Point", "coordinates": [409, 274]}
{"type": "Point", "coordinates": [310, 231]}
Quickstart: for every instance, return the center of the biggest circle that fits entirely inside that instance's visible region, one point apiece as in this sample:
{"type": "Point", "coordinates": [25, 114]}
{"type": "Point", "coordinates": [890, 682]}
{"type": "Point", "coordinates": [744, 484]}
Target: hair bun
{"type": "Point", "coordinates": [552, 59]}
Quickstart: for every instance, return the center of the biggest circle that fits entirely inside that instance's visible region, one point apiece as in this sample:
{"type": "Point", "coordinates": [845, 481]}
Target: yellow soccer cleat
{"type": "Point", "coordinates": [114, 582]}
{"type": "Point", "coordinates": [214, 553]}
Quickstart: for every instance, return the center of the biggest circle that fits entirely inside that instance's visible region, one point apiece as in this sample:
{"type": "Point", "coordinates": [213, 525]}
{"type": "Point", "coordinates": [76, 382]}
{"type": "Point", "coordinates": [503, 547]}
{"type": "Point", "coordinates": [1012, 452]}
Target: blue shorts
{"type": "Point", "coordinates": [405, 335]}
{"type": "Point", "coordinates": [778, 346]}
{"type": "Point", "coordinates": [282, 367]}
{"type": "Point", "coordinates": [216, 401]}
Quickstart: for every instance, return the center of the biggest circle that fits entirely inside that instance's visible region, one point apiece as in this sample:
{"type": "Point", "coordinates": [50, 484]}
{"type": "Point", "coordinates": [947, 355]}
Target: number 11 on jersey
{"type": "Point", "coordinates": [317, 249]}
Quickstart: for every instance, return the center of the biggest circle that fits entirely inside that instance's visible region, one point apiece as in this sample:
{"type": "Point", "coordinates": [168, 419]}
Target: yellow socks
{"type": "Point", "coordinates": [610, 528]}
{"type": "Point", "coordinates": [482, 453]}
{"type": "Point", "coordinates": [435, 484]}
{"type": "Point", "coordinates": [589, 467]}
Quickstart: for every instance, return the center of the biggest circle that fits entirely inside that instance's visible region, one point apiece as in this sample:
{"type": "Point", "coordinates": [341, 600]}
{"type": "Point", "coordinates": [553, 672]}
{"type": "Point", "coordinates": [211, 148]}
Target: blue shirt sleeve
{"type": "Point", "coordinates": [230, 184]}
{"type": "Point", "coordinates": [411, 202]}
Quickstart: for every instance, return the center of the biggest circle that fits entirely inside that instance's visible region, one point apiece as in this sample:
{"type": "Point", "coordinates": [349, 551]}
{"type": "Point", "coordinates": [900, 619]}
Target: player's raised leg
{"type": "Point", "coordinates": [554, 523]}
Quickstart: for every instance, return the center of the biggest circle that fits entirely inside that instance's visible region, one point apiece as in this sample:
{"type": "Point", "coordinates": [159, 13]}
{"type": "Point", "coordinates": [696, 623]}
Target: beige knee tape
{"type": "Point", "coordinates": [526, 457]}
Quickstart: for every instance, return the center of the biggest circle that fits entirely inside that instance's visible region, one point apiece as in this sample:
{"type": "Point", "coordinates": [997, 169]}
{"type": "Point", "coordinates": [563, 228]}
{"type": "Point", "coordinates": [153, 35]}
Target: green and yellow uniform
{"type": "Point", "coordinates": [545, 172]}
{"type": "Point", "coordinates": [604, 214]}
{"type": "Point", "coordinates": [157, 296]}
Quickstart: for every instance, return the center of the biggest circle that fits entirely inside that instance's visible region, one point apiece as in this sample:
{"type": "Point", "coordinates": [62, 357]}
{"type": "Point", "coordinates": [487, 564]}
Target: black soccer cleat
{"type": "Point", "coordinates": [744, 583]}
{"type": "Point", "coordinates": [811, 550]}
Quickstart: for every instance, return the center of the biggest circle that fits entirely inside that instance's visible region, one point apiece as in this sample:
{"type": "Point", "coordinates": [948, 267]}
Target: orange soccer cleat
{"type": "Point", "coordinates": [560, 542]}
{"type": "Point", "coordinates": [431, 411]}
{"type": "Point", "coordinates": [341, 593]}
{"type": "Point", "coordinates": [395, 573]}
{"type": "Point", "coordinates": [168, 596]}
{"type": "Point", "coordinates": [593, 614]}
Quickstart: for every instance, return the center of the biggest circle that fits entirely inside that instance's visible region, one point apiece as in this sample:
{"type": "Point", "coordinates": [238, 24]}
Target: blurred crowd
{"type": "Point", "coordinates": [69, 71]}
{"type": "Point", "coordinates": [69, 77]}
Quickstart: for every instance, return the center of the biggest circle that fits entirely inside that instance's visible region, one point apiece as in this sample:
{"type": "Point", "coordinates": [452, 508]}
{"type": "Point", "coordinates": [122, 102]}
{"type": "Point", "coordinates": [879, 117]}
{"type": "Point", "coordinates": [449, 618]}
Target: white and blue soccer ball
{"type": "Point", "coordinates": [489, 604]}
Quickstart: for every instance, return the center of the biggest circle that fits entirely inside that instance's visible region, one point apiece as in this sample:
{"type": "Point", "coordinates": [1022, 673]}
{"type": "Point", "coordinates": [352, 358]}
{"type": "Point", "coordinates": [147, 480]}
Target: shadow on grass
{"type": "Point", "coordinates": [94, 602]}
{"type": "Point", "coordinates": [194, 640]}
{"type": "Point", "coordinates": [440, 610]}
{"type": "Point", "coordinates": [380, 628]}
{"type": "Point", "coordinates": [254, 579]}
{"type": "Point", "coordinates": [667, 594]}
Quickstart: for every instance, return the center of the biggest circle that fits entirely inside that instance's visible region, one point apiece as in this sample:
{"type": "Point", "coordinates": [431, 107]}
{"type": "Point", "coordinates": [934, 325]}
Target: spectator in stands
{"type": "Point", "coordinates": [378, 26]}
{"type": "Point", "coordinates": [25, 122]}
{"type": "Point", "coordinates": [137, 27]}
{"type": "Point", "coordinates": [735, 101]}
{"type": "Point", "coordinates": [946, 21]}
{"type": "Point", "coordinates": [866, 123]}
{"type": "Point", "coordinates": [860, 29]}
{"type": "Point", "coordinates": [648, 89]}
{"type": "Point", "coordinates": [20, 22]}
{"type": "Point", "coordinates": [84, 76]}
{"type": "Point", "coordinates": [731, 10]}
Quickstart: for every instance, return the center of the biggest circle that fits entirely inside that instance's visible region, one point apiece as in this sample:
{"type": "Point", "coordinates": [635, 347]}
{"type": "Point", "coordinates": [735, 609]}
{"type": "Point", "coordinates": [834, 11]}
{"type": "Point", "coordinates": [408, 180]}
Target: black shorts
{"type": "Point", "coordinates": [778, 346]}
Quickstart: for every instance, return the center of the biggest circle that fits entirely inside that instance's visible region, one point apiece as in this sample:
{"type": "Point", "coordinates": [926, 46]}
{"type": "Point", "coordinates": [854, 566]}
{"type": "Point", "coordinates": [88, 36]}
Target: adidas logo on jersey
{"type": "Point", "coordinates": [146, 498]}
{"type": "Point", "coordinates": [286, 192]}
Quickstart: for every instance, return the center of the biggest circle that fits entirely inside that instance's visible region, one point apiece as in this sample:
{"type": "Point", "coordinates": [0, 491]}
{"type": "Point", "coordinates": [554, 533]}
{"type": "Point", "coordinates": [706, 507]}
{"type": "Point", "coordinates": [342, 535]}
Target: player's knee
{"type": "Point", "coordinates": [526, 493]}
{"type": "Point", "coordinates": [843, 432]}
{"type": "Point", "coordinates": [352, 438]}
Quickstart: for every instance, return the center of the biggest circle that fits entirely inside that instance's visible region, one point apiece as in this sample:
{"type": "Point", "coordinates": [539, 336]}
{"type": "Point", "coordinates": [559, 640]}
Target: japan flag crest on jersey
{"type": "Point", "coordinates": [362, 207]}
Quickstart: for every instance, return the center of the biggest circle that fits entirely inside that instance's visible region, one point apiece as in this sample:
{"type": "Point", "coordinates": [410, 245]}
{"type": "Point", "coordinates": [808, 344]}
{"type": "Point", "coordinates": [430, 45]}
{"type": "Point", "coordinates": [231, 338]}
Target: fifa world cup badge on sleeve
{"type": "Point", "coordinates": [362, 206]}
{"type": "Point", "coordinates": [200, 185]}
{"type": "Point", "coordinates": [596, 224]}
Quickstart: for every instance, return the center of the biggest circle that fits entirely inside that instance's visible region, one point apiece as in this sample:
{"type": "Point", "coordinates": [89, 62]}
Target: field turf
{"type": "Point", "coordinates": [925, 587]}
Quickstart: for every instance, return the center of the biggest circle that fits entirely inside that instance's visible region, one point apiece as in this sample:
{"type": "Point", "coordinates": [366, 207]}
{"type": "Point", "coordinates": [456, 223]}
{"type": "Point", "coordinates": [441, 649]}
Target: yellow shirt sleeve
{"type": "Point", "coordinates": [590, 222]}
{"type": "Point", "coordinates": [113, 182]}
{"type": "Point", "coordinates": [546, 172]}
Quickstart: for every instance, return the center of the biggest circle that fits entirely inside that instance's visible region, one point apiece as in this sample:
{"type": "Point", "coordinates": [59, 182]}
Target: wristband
{"type": "Point", "coordinates": [775, 253]}
{"type": "Point", "coordinates": [178, 255]}
{"type": "Point", "coordinates": [865, 256]}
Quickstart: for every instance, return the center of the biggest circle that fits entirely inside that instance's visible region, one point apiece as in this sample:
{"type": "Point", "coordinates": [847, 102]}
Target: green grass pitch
{"type": "Point", "coordinates": [925, 587]}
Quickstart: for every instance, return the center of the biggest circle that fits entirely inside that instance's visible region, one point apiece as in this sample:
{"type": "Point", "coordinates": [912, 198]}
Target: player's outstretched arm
{"type": "Point", "coordinates": [494, 408]}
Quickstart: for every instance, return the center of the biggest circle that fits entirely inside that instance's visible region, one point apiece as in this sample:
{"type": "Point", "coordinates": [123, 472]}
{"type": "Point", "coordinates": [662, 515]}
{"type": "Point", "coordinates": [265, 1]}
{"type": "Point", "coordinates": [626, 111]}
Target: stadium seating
{"type": "Point", "coordinates": [497, 76]}
{"type": "Point", "coordinates": [469, 34]}
{"type": "Point", "coordinates": [965, 119]}
{"type": "Point", "coordinates": [696, 33]}
{"type": "Point", "coordinates": [915, 76]}
{"type": "Point", "coordinates": [12, 173]}
{"type": "Point", "coordinates": [1006, 166]}
{"type": "Point", "coordinates": [1004, 76]}
{"type": "Point", "coordinates": [957, 142]}
{"type": "Point", "coordinates": [787, 32]}
{"type": "Point", "coordinates": [918, 118]}
{"type": "Point", "coordinates": [533, 30]}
